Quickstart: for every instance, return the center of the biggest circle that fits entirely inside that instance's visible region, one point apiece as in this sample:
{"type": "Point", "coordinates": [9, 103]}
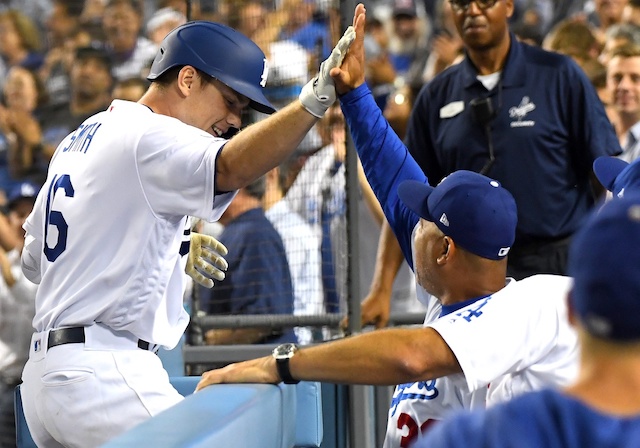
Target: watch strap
{"type": "Point", "coordinates": [283, 370]}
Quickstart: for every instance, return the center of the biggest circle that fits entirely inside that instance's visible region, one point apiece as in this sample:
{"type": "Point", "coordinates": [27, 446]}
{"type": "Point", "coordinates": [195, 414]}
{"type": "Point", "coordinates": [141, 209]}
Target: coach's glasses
{"type": "Point", "coordinates": [463, 5]}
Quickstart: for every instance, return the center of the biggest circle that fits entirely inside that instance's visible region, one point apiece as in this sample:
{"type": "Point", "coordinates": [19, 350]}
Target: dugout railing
{"type": "Point", "coordinates": [353, 416]}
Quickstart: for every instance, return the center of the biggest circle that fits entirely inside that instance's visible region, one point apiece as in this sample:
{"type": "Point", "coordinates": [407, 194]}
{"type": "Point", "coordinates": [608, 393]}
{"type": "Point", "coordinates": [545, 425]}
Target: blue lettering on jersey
{"type": "Point", "coordinates": [81, 139]}
{"type": "Point", "coordinates": [470, 313]}
{"type": "Point", "coordinates": [431, 392]}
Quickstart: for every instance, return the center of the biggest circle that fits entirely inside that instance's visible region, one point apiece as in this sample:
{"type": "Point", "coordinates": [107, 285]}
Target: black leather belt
{"type": "Point", "coordinates": [75, 335]}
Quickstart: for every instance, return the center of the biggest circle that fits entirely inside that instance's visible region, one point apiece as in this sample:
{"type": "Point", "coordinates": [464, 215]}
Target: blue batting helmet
{"type": "Point", "coordinates": [220, 52]}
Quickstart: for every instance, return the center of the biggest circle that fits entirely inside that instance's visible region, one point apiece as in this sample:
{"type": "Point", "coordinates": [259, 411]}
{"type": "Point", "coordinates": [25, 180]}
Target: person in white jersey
{"type": "Point", "coordinates": [497, 338]}
{"type": "Point", "coordinates": [105, 236]}
{"type": "Point", "coordinates": [511, 424]}
{"type": "Point", "coordinates": [602, 408]}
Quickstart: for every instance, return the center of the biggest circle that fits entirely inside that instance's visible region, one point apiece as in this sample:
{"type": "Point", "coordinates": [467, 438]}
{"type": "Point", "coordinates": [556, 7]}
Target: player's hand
{"type": "Point", "coordinates": [260, 370]}
{"type": "Point", "coordinates": [350, 74]}
{"type": "Point", "coordinates": [374, 310]}
{"type": "Point", "coordinates": [205, 261]}
{"type": "Point", "coordinates": [320, 93]}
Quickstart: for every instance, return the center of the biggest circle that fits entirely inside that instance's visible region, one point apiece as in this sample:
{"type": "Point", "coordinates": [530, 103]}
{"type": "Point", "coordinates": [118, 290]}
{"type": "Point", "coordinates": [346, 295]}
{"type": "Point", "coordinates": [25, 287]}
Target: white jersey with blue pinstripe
{"type": "Point", "coordinates": [105, 235]}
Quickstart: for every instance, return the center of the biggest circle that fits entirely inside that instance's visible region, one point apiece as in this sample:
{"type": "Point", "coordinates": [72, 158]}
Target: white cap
{"type": "Point", "coordinates": [164, 15]}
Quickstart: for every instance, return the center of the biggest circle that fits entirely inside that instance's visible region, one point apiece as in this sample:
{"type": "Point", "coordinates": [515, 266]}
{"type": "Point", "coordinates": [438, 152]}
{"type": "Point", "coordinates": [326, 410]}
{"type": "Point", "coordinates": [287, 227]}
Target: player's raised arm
{"type": "Point", "coordinates": [264, 145]}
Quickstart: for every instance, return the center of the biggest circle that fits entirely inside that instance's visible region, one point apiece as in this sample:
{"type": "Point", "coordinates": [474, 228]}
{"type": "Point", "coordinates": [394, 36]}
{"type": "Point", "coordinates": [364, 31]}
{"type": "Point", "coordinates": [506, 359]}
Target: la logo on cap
{"type": "Point", "coordinates": [265, 73]}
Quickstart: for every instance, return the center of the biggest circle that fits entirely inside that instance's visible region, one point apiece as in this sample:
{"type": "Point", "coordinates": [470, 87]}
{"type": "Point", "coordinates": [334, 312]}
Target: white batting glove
{"type": "Point", "coordinates": [205, 261]}
{"type": "Point", "coordinates": [320, 93]}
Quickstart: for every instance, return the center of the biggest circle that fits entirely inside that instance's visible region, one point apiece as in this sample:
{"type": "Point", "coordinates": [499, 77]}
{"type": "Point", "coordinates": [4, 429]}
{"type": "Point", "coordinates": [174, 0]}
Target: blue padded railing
{"type": "Point", "coordinates": [251, 415]}
{"type": "Point", "coordinates": [241, 415]}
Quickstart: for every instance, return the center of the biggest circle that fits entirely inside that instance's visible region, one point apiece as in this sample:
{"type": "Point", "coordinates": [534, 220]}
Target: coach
{"type": "Point", "coordinates": [518, 114]}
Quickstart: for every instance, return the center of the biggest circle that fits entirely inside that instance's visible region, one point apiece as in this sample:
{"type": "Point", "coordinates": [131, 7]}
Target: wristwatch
{"type": "Point", "coordinates": [282, 354]}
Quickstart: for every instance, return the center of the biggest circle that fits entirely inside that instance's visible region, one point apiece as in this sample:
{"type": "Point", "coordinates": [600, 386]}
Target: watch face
{"type": "Point", "coordinates": [284, 351]}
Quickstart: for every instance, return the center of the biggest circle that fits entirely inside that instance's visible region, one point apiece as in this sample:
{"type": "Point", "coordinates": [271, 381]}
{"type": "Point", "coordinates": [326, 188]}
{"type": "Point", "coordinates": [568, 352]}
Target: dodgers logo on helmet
{"type": "Point", "coordinates": [220, 52]}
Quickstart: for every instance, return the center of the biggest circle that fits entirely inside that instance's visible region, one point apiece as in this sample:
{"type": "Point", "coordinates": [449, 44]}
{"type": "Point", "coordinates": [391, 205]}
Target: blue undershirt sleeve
{"type": "Point", "coordinates": [385, 159]}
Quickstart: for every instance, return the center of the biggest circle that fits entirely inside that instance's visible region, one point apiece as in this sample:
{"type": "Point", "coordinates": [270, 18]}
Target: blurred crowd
{"type": "Point", "coordinates": [63, 60]}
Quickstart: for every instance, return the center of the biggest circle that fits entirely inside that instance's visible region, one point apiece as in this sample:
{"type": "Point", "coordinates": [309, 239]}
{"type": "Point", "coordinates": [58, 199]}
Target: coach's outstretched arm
{"type": "Point", "coordinates": [385, 357]}
{"type": "Point", "coordinates": [266, 144]}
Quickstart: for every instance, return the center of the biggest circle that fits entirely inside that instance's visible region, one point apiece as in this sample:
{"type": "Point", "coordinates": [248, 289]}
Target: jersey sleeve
{"type": "Point", "coordinates": [177, 166]}
{"type": "Point", "coordinates": [23, 290]}
{"type": "Point", "coordinates": [385, 159]}
{"type": "Point", "coordinates": [508, 331]}
{"type": "Point", "coordinates": [34, 237]}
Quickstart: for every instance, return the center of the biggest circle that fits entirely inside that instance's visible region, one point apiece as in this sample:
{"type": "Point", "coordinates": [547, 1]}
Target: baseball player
{"type": "Point", "coordinates": [497, 338]}
{"type": "Point", "coordinates": [602, 408]}
{"type": "Point", "coordinates": [104, 239]}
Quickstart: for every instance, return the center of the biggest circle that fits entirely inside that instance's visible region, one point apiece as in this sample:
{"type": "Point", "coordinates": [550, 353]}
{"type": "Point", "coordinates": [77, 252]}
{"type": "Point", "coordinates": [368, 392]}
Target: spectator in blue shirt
{"type": "Point", "coordinates": [258, 279]}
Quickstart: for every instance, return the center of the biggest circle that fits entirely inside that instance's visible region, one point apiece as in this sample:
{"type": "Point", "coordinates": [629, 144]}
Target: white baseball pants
{"type": "Point", "coordinates": [84, 394]}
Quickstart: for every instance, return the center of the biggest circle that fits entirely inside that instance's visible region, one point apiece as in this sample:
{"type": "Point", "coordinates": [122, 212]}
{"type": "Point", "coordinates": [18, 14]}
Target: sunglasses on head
{"type": "Point", "coordinates": [463, 5]}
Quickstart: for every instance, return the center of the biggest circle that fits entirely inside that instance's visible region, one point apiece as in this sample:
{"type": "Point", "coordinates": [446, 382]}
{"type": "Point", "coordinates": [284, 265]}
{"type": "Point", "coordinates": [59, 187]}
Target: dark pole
{"type": "Point", "coordinates": [188, 2]}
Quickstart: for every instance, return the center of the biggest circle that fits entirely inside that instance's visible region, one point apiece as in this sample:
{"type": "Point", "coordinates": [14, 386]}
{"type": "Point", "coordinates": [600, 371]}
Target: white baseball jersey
{"type": "Point", "coordinates": [416, 406]}
{"type": "Point", "coordinates": [104, 237]}
{"type": "Point", "coordinates": [305, 194]}
{"type": "Point", "coordinates": [303, 254]}
{"type": "Point", "coordinates": [511, 342]}
{"type": "Point", "coordinates": [517, 340]}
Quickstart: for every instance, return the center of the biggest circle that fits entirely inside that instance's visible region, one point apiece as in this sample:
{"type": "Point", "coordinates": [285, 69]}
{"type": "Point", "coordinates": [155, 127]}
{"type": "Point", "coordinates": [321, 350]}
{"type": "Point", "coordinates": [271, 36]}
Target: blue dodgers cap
{"type": "Point", "coordinates": [476, 211]}
{"type": "Point", "coordinates": [604, 261]}
{"type": "Point", "coordinates": [617, 175]}
{"type": "Point", "coordinates": [24, 190]}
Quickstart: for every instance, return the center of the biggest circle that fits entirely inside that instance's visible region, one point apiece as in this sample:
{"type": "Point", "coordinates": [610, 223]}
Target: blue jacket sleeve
{"type": "Point", "coordinates": [385, 159]}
